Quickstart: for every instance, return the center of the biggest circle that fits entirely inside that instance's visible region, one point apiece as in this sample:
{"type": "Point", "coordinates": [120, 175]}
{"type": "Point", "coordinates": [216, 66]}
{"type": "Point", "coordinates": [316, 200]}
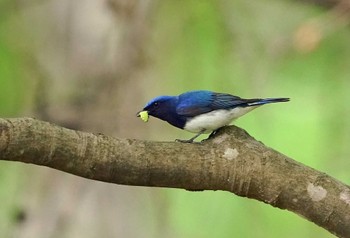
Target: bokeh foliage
{"type": "Point", "coordinates": [247, 48]}
{"type": "Point", "coordinates": [11, 103]}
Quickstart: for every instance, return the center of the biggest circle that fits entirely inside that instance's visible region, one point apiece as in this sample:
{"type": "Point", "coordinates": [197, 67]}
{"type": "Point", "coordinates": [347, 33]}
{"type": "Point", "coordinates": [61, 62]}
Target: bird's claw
{"type": "Point", "coordinates": [190, 141]}
{"type": "Point", "coordinates": [184, 141]}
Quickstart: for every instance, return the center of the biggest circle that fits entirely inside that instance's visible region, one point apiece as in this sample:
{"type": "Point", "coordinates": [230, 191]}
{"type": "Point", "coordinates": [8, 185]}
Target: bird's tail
{"type": "Point", "coordinates": [257, 102]}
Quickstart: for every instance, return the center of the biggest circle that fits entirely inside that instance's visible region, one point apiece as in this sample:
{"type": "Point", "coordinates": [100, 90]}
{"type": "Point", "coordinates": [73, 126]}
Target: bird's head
{"type": "Point", "coordinates": [159, 107]}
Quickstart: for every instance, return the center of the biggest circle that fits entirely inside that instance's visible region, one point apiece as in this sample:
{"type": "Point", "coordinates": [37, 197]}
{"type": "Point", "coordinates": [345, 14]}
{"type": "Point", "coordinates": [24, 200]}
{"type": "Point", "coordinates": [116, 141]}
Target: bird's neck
{"type": "Point", "coordinates": [171, 116]}
{"type": "Point", "coordinates": [174, 119]}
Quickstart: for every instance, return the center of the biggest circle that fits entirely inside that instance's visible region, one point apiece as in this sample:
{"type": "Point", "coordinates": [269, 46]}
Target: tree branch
{"type": "Point", "coordinates": [231, 161]}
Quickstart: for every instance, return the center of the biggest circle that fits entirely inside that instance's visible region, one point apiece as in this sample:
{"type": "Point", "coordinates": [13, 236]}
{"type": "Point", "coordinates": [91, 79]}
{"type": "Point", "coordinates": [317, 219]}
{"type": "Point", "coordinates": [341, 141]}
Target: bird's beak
{"type": "Point", "coordinates": [143, 115]}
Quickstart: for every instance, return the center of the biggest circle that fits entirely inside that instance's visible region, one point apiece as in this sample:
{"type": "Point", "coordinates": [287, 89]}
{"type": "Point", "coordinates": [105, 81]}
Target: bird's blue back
{"type": "Point", "coordinates": [193, 103]}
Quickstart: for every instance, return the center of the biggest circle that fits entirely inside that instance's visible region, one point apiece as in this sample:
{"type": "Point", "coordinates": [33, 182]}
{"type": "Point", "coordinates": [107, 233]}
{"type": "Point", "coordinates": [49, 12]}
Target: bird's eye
{"type": "Point", "coordinates": [156, 104]}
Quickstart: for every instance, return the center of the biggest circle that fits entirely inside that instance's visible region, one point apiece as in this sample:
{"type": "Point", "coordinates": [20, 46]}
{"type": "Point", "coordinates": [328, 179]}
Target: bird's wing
{"type": "Point", "coordinates": [226, 101]}
{"type": "Point", "coordinates": [197, 103]}
{"type": "Point", "coordinates": [191, 104]}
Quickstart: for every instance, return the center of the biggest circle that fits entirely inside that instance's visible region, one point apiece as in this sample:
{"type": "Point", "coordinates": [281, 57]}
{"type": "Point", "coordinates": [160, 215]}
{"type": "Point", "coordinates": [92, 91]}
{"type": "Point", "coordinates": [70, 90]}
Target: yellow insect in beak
{"type": "Point", "coordinates": [143, 115]}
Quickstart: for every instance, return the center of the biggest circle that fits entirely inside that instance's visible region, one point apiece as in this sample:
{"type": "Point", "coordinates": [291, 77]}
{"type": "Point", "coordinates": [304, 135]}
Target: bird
{"type": "Point", "coordinates": [201, 111]}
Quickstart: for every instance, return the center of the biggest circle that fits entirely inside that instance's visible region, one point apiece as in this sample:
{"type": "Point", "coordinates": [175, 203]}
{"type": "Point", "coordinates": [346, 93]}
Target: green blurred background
{"type": "Point", "coordinates": [91, 65]}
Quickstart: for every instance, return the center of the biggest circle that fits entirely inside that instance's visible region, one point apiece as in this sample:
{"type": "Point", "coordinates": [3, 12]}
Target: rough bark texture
{"type": "Point", "coordinates": [231, 161]}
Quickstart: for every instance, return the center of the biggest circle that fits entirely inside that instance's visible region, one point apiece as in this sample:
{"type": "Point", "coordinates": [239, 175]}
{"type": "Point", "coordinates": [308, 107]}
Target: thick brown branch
{"type": "Point", "coordinates": [232, 161]}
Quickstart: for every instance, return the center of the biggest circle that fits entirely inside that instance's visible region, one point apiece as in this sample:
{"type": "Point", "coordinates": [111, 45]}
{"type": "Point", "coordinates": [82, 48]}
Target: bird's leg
{"type": "Point", "coordinates": [212, 134]}
{"type": "Point", "coordinates": [191, 139]}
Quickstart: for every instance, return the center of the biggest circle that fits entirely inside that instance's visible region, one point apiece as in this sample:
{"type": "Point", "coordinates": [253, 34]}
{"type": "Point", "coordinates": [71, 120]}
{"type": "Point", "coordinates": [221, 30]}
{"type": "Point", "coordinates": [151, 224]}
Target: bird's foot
{"type": "Point", "coordinates": [186, 141]}
{"type": "Point", "coordinates": [191, 140]}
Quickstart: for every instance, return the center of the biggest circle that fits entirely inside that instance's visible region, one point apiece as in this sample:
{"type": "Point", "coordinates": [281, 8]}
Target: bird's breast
{"type": "Point", "coordinates": [215, 119]}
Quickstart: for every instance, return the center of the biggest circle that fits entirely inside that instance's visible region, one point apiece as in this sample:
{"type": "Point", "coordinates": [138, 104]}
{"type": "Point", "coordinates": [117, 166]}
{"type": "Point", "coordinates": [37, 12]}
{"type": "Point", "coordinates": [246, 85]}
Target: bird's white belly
{"type": "Point", "coordinates": [213, 120]}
